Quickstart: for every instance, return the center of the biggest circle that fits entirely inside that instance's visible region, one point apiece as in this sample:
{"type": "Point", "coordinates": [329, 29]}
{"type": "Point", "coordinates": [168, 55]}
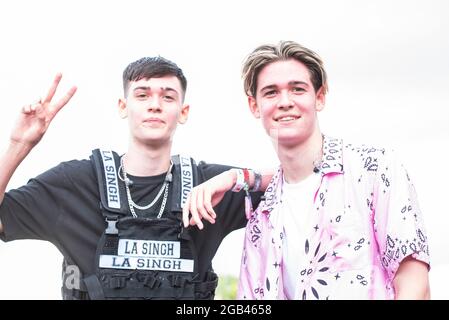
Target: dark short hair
{"type": "Point", "coordinates": [152, 67]}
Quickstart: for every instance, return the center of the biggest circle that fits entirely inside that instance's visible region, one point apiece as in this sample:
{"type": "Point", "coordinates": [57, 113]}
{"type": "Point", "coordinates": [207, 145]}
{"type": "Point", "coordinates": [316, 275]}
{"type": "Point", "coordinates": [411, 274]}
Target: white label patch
{"type": "Point", "coordinates": [133, 263]}
{"type": "Point", "coordinates": [186, 178]}
{"type": "Point", "coordinates": [110, 173]}
{"type": "Point", "coordinates": [149, 248]}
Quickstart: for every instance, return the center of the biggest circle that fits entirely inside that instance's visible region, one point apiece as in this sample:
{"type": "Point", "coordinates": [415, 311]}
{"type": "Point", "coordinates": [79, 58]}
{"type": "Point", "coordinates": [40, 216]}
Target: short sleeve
{"type": "Point", "coordinates": [23, 214]}
{"type": "Point", "coordinates": [33, 210]}
{"type": "Point", "coordinates": [398, 221]}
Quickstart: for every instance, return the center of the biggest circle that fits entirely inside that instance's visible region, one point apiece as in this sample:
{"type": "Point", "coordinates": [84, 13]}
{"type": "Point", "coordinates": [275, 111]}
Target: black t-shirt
{"type": "Point", "coordinates": [62, 206]}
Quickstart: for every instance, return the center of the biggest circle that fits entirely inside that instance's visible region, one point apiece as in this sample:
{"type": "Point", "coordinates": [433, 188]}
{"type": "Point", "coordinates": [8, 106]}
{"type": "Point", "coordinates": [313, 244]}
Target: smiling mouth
{"type": "Point", "coordinates": [285, 119]}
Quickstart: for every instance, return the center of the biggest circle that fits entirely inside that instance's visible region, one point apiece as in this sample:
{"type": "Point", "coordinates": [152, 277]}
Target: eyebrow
{"type": "Point", "coordinates": [291, 83]}
{"type": "Point", "coordinates": [162, 88]}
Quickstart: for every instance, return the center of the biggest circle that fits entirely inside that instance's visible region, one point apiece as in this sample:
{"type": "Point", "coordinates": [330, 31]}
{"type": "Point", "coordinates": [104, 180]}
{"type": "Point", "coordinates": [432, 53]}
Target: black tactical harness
{"type": "Point", "coordinates": [142, 258]}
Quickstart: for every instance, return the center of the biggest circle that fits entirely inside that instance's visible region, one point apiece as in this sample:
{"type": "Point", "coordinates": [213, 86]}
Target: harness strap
{"type": "Point", "coordinates": [94, 287]}
{"type": "Point", "coordinates": [112, 191]}
{"type": "Point", "coordinates": [185, 173]}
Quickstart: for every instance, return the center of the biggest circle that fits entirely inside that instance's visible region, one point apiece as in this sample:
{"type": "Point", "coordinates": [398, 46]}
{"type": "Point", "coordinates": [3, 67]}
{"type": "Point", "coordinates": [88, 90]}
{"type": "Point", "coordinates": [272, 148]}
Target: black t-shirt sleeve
{"type": "Point", "coordinates": [33, 210]}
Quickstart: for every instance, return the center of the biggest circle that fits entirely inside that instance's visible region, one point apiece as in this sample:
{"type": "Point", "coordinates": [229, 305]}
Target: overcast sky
{"type": "Point", "coordinates": [388, 70]}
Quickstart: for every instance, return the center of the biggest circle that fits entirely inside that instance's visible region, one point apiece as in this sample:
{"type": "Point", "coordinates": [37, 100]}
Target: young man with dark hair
{"type": "Point", "coordinates": [117, 219]}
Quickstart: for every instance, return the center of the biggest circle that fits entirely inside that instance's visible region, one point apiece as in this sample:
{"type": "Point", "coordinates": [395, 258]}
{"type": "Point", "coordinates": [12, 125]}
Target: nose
{"type": "Point", "coordinates": [154, 105]}
{"type": "Point", "coordinates": [284, 102]}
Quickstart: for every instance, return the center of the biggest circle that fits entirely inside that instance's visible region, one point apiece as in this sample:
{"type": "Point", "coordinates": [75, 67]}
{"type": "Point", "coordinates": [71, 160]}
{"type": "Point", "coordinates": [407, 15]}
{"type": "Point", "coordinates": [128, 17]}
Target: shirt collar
{"type": "Point", "coordinates": [332, 160]}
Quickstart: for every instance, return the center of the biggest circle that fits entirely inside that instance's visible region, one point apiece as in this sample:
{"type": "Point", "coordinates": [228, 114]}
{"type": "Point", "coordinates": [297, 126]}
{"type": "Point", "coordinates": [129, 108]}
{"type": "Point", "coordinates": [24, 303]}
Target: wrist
{"type": "Point", "coordinates": [238, 180]}
{"type": "Point", "coordinates": [241, 180]}
{"type": "Point", "coordinates": [233, 175]}
{"type": "Point", "coordinates": [19, 148]}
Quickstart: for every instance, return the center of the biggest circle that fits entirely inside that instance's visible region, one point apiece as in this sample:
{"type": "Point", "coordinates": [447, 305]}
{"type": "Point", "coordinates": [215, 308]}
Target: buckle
{"type": "Point", "coordinates": [178, 281]}
{"type": "Point", "coordinates": [111, 228]}
{"type": "Point", "coordinates": [151, 282]}
{"type": "Point", "coordinates": [117, 282]}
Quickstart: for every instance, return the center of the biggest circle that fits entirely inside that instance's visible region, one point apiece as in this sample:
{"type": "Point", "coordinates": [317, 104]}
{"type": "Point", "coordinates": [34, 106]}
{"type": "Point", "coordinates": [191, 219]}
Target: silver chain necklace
{"type": "Point", "coordinates": [132, 204]}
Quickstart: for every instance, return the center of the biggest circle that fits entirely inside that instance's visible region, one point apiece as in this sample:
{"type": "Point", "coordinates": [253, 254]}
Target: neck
{"type": "Point", "coordinates": [147, 161]}
{"type": "Point", "coordinates": [298, 161]}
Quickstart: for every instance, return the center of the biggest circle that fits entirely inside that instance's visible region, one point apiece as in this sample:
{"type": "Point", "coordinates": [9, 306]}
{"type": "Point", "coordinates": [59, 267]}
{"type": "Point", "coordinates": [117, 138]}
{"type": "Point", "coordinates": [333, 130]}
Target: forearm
{"type": "Point", "coordinates": [207, 195]}
{"type": "Point", "coordinates": [9, 161]}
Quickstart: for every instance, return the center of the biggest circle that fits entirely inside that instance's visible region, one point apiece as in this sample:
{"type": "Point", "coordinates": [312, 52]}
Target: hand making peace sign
{"type": "Point", "coordinates": [35, 118]}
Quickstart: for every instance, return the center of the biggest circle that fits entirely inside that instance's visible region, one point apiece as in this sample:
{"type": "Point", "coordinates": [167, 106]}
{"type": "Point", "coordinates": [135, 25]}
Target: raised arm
{"type": "Point", "coordinates": [30, 127]}
{"type": "Point", "coordinates": [205, 196]}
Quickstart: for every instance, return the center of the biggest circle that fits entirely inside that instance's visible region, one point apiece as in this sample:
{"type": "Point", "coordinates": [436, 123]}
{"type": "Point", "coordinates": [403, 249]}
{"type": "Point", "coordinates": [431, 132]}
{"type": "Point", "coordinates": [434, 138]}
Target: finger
{"type": "Point", "coordinates": [38, 109]}
{"type": "Point", "coordinates": [54, 86]}
{"type": "Point", "coordinates": [63, 101]}
{"type": "Point", "coordinates": [27, 109]}
{"type": "Point", "coordinates": [195, 219]}
{"type": "Point", "coordinates": [200, 207]}
{"type": "Point", "coordinates": [208, 205]}
{"type": "Point", "coordinates": [32, 108]}
{"type": "Point", "coordinates": [191, 201]}
{"type": "Point", "coordinates": [185, 212]}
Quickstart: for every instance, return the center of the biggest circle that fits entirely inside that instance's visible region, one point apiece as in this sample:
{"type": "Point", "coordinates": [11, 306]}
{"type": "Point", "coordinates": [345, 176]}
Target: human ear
{"type": "Point", "coordinates": [183, 116]}
{"type": "Point", "coordinates": [122, 108]}
{"type": "Point", "coordinates": [253, 107]}
{"type": "Point", "coordinates": [320, 99]}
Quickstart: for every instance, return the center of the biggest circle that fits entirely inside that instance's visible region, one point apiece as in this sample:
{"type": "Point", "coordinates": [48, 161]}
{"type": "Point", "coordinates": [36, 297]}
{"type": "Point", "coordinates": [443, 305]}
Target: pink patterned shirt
{"type": "Point", "coordinates": [366, 220]}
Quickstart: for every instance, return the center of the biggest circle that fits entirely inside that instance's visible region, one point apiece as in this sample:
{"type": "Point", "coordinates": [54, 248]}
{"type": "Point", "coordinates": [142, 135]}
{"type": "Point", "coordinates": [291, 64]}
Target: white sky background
{"type": "Point", "coordinates": [387, 63]}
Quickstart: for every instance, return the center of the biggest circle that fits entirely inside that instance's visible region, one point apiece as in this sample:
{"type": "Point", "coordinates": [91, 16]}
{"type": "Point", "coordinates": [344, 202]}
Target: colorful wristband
{"type": "Point", "coordinates": [257, 182]}
{"type": "Point", "coordinates": [246, 177]}
{"type": "Point", "coordinates": [240, 182]}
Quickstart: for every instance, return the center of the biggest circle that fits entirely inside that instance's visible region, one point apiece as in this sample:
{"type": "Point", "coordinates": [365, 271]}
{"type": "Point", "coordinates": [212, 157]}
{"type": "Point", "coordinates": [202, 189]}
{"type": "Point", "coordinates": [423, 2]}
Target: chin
{"type": "Point", "coordinates": [291, 139]}
{"type": "Point", "coordinates": [152, 133]}
{"type": "Point", "coordinates": [285, 134]}
{"type": "Point", "coordinates": [154, 139]}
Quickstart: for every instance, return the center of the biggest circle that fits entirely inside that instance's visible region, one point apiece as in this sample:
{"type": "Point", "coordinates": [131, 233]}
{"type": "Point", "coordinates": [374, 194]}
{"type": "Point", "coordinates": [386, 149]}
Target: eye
{"type": "Point", "coordinates": [298, 89]}
{"type": "Point", "coordinates": [269, 93]}
{"type": "Point", "coordinates": [141, 95]}
{"type": "Point", "coordinates": [169, 98]}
